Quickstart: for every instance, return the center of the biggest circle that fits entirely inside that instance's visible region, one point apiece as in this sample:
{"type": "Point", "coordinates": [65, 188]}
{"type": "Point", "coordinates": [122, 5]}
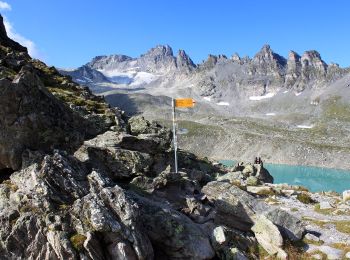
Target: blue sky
{"type": "Point", "coordinates": [68, 33]}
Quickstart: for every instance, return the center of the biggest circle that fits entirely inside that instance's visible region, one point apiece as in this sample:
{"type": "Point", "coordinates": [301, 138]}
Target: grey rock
{"type": "Point", "coordinates": [260, 190]}
{"type": "Point", "coordinates": [172, 232]}
{"type": "Point", "coordinates": [269, 237]}
{"type": "Point", "coordinates": [34, 118]}
{"type": "Point", "coordinates": [219, 235]}
{"type": "Point", "coordinates": [6, 41]}
{"type": "Point", "coordinates": [325, 205]}
{"type": "Point", "coordinates": [252, 181]}
{"type": "Point", "coordinates": [290, 226]}
{"type": "Point", "coordinates": [231, 177]}
{"type": "Point", "coordinates": [234, 207]}
{"type": "Point", "coordinates": [184, 62]}
{"type": "Point", "coordinates": [312, 237]}
{"type": "Point", "coordinates": [151, 143]}
{"type": "Point", "coordinates": [102, 153]}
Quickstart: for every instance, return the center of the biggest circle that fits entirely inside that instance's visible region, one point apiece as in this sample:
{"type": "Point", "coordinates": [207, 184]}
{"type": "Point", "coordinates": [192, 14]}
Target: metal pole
{"type": "Point", "coordinates": [174, 135]}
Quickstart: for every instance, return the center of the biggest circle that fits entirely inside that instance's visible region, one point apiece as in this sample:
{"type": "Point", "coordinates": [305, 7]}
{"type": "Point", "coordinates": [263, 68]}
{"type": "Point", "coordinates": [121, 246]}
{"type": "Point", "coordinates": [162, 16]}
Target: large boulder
{"type": "Point", "coordinates": [102, 153]}
{"type": "Point", "coordinates": [290, 226]}
{"type": "Point", "coordinates": [145, 130]}
{"type": "Point", "coordinates": [149, 143]}
{"type": "Point", "coordinates": [256, 170]}
{"type": "Point", "coordinates": [269, 237]}
{"type": "Point", "coordinates": [172, 234]}
{"type": "Point", "coordinates": [234, 207]}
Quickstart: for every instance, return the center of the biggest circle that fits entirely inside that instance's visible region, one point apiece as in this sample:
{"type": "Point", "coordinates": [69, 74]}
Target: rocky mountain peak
{"type": "Point", "coordinates": [6, 41]}
{"type": "Point", "coordinates": [267, 62]}
{"type": "Point", "coordinates": [293, 56]}
{"type": "Point", "coordinates": [312, 59]}
{"type": "Point", "coordinates": [101, 62]}
{"type": "Point", "coordinates": [160, 51]}
{"type": "Point", "coordinates": [267, 56]}
{"type": "Point", "coordinates": [311, 55]}
{"type": "Point", "coordinates": [183, 61]}
{"type": "Point", "coordinates": [293, 69]}
{"type": "Point", "coordinates": [235, 57]}
{"type": "Point", "coordinates": [266, 48]}
{"type": "Point", "coordinates": [159, 59]}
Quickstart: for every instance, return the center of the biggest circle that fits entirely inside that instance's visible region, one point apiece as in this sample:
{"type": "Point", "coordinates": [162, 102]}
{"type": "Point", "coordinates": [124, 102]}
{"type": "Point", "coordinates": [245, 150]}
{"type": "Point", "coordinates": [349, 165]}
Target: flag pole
{"type": "Point", "coordinates": [174, 135]}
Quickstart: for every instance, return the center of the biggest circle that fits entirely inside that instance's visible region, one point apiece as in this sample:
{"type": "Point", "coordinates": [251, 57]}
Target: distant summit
{"type": "Point", "coordinates": [266, 71]}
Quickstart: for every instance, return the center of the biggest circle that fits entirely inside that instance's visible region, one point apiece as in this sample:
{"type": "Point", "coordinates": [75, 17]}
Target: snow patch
{"type": "Point", "coordinates": [298, 94]}
{"type": "Point", "coordinates": [270, 114]}
{"type": "Point", "coordinates": [116, 73]}
{"type": "Point", "coordinates": [132, 76]}
{"type": "Point", "coordinates": [221, 103]}
{"type": "Point", "coordinates": [143, 78]}
{"type": "Point", "coordinates": [81, 80]}
{"type": "Point", "coordinates": [286, 91]}
{"type": "Point", "coordinates": [207, 98]}
{"type": "Point", "coordinates": [305, 126]}
{"type": "Point", "coordinates": [268, 95]}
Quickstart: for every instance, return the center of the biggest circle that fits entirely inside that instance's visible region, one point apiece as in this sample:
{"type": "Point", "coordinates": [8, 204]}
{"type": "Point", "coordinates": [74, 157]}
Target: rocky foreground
{"type": "Point", "coordinates": [79, 180]}
{"type": "Point", "coordinates": [116, 197]}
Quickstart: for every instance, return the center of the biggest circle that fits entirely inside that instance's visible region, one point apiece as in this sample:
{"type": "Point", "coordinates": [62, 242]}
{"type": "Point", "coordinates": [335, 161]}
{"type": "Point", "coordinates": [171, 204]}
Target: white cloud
{"type": "Point", "coordinates": [5, 6]}
{"type": "Point", "coordinates": [11, 32]}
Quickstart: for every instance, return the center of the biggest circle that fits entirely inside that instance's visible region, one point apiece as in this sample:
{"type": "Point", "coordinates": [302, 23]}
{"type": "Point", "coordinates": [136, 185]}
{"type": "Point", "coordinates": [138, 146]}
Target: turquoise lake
{"type": "Point", "coordinates": [314, 178]}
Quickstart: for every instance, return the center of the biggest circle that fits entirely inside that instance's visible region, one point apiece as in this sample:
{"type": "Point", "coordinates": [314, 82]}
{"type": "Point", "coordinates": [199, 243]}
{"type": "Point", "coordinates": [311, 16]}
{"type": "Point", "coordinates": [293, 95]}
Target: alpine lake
{"type": "Point", "coordinates": [314, 178]}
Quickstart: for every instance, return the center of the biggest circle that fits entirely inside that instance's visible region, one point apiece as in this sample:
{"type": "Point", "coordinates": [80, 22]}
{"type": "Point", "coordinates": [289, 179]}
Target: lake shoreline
{"type": "Point", "coordinates": [316, 179]}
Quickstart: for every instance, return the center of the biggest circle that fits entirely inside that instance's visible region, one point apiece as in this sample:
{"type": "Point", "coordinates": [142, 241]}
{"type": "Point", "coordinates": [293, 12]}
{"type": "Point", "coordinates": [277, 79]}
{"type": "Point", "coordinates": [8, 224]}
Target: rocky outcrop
{"type": "Point", "coordinates": [32, 118]}
{"type": "Point", "coordinates": [159, 59]}
{"type": "Point", "coordinates": [6, 41]}
{"type": "Point", "coordinates": [293, 69]}
{"type": "Point", "coordinates": [313, 67]}
{"type": "Point", "coordinates": [269, 237]}
{"type": "Point", "coordinates": [184, 62]}
{"type": "Point", "coordinates": [86, 74]}
{"type": "Point", "coordinates": [108, 62]}
{"type": "Point", "coordinates": [267, 62]}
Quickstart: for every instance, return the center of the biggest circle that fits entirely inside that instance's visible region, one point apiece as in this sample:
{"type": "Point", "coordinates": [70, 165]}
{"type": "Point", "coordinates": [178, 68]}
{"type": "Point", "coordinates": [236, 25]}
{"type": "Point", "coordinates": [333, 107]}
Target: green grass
{"type": "Point", "coordinates": [334, 108]}
{"type": "Point", "coordinates": [323, 211]}
{"type": "Point", "coordinates": [69, 92]}
{"type": "Point", "coordinates": [312, 242]}
{"type": "Point", "coordinates": [77, 241]}
{"type": "Point", "coordinates": [305, 198]}
{"type": "Point", "coordinates": [343, 226]}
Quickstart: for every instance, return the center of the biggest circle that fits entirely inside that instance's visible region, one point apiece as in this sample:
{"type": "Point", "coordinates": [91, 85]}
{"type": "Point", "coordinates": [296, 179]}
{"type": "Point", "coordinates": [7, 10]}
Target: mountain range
{"type": "Point", "coordinates": [298, 106]}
